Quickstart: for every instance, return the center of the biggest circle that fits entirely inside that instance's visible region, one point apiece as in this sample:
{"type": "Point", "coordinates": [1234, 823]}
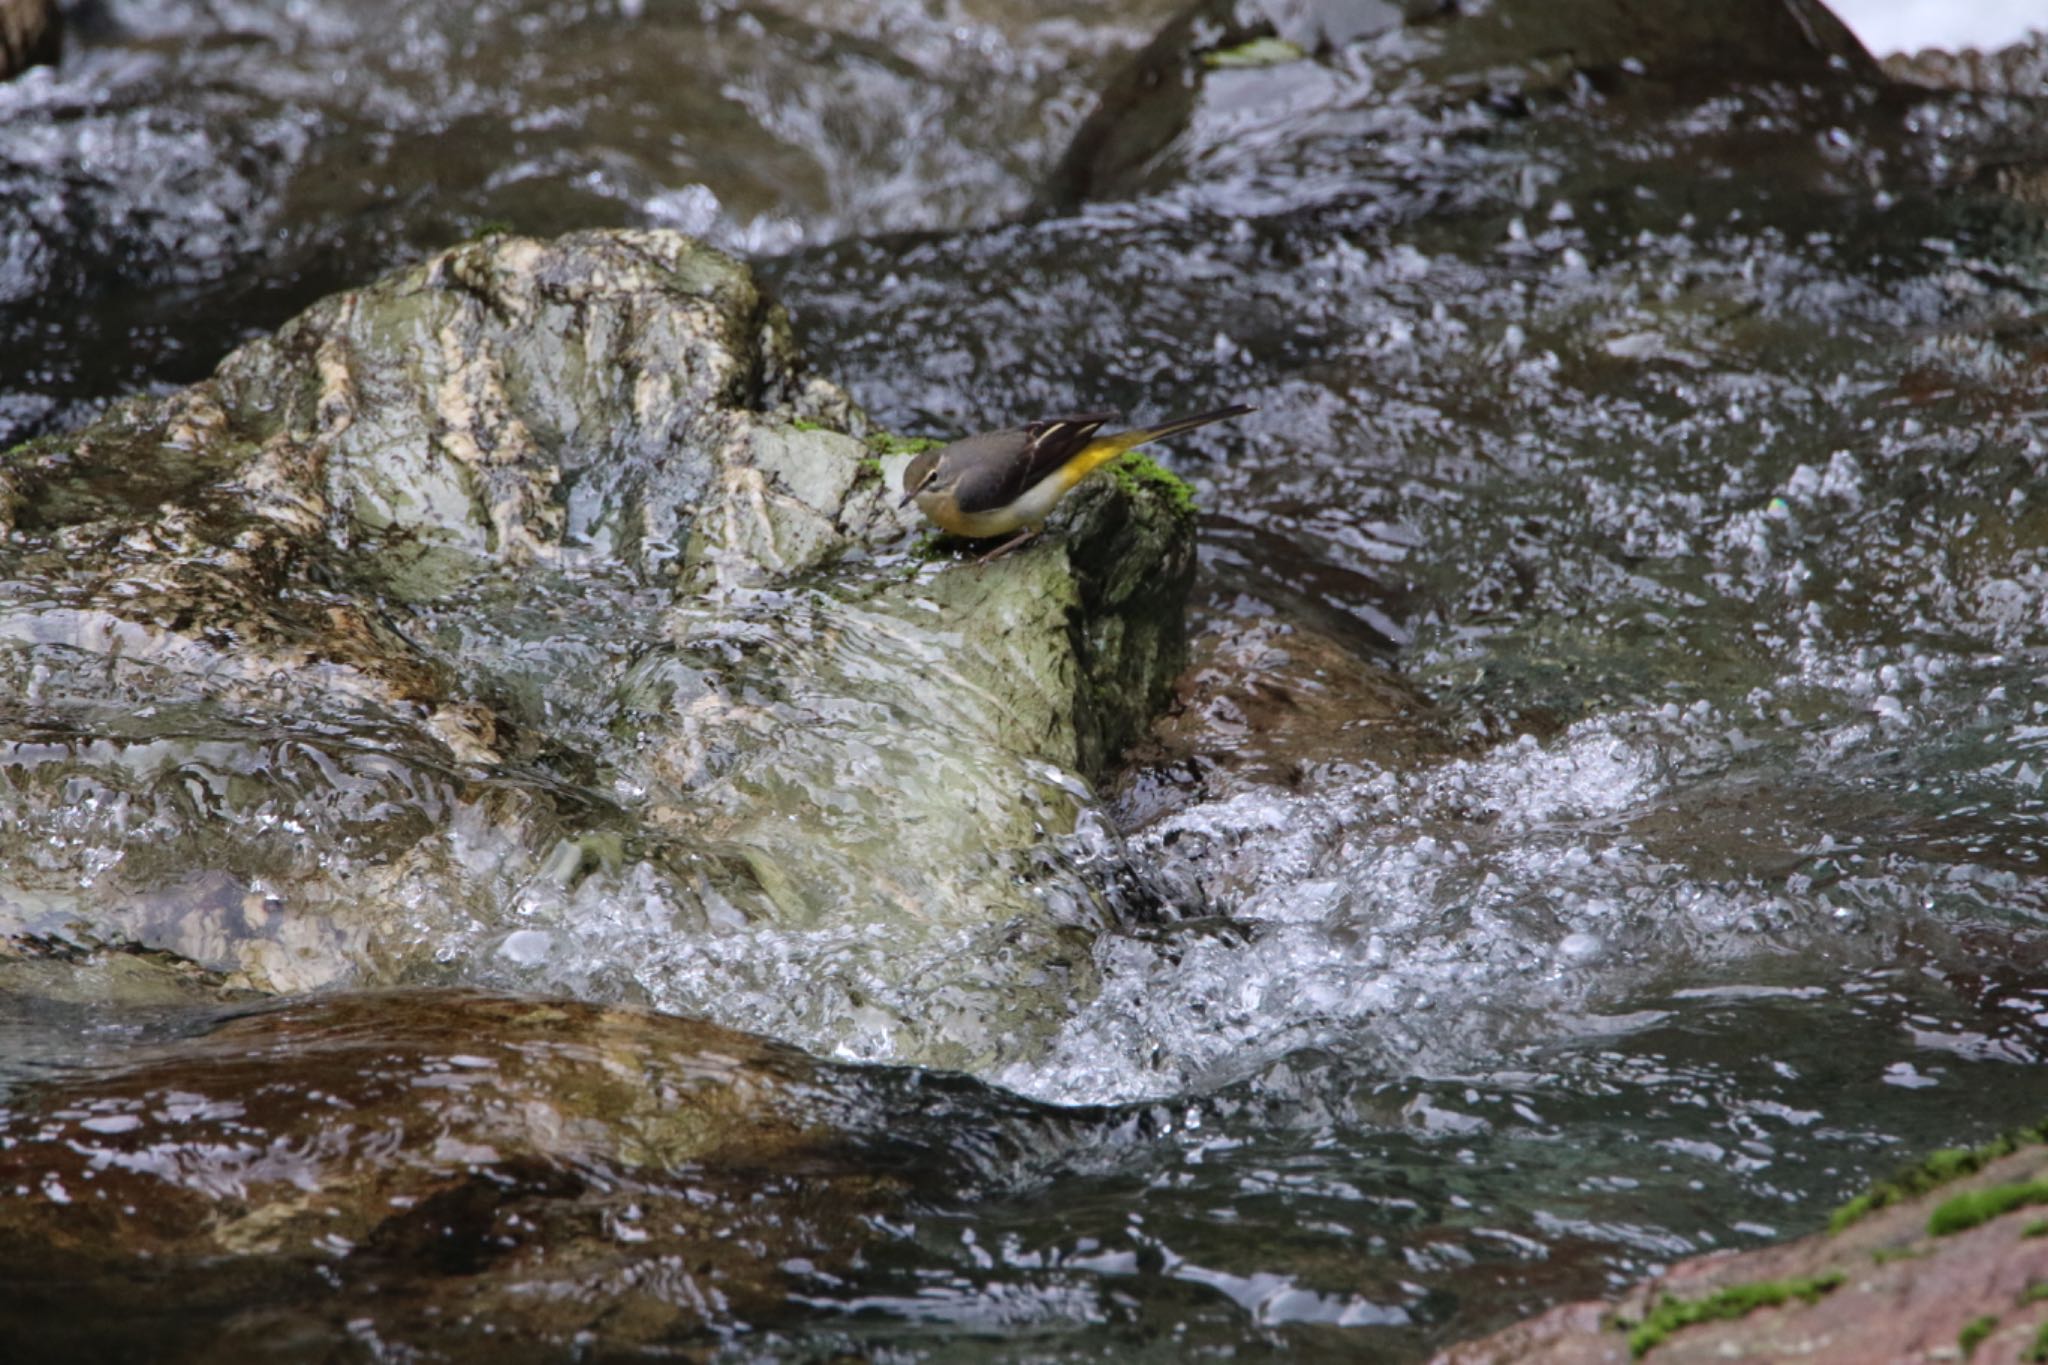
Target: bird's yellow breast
{"type": "Point", "coordinates": [1029, 508]}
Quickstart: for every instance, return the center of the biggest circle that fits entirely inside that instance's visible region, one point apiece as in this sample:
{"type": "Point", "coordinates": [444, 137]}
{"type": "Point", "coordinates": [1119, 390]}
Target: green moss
{"type": "Point", "coordinates": [32, 448]}
{"type": "Point", "coordinates": [1136, 474]}
{"type": "Point", "coordinates": [1966, 1211]}
{"type": "Point", "coordinates": [806, 424]}
{"type": "Point", "coordinates": [1734, 1302]}
{"type": "Point", "coordinates": [1937, 1170]}
{"type": "Point", "coordinates": [889, 443]}
{"type": "Point", "coordinates": [1886, 1255]}
{"type": "Point", "coordinates": [870, 467]}
{"type": "Point", "coordinates": [1974, 1331]}
{"type": "Point", "coordinates": [493, 227]}
{"type": "Point", "coordinates": [2034, 1292]}
{"type": "Point", "coordinates": [2038, 1352]}
{"type": "Point", "coordinates": [1258, 52]}
{"type": "Point", "coordinates": [2037, 1228]}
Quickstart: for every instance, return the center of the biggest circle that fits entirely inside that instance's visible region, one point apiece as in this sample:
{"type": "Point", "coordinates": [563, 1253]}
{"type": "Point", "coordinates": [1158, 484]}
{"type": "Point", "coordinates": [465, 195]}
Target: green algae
{"type": "Point", "coordinates": [1966, 1211]}
{"type": "Point", "coordinates": [1736, 1301]}
{"type": "Point", "coordinates": [1137, 475]}
{"type": "Point", "coordinates": [884, 443]}
{"type": "Point", "coordinates": [1938, 1169]}
{"type": "Point", "coordinates": [1257, 52]}
{"type": "Point", "coordinates": [1974, 1331]}
{"type": "Point", "coordinates": [2038, 1352]}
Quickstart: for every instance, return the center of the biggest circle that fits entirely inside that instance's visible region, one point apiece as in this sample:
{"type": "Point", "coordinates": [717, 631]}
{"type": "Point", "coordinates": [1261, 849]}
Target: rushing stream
{"type": "Point", "coordinates": [1605, 820]}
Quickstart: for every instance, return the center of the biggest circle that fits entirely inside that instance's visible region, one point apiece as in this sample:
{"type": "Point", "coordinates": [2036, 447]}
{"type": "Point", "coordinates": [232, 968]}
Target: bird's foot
{"type": "Point", "coordinates": [1012, 543]}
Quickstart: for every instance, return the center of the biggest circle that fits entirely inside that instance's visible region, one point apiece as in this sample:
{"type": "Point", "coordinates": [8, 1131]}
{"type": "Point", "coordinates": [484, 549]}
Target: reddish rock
{"type": "Point", "coordinates": [1904, 1295]}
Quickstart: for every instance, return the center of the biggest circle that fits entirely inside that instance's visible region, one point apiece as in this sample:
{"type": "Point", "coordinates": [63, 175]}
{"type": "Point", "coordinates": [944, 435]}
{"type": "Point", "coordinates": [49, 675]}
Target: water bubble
{"type": "Point", "coordinates": [527, 947]}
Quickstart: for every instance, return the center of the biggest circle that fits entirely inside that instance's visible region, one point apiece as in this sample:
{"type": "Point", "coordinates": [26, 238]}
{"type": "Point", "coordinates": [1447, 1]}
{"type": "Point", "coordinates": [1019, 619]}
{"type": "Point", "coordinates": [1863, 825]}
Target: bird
{"type": "Point", "coordinates": [1007, 481]}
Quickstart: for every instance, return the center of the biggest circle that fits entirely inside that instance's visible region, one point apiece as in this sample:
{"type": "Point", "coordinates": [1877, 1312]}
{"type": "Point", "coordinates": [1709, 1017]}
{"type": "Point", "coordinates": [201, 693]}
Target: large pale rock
{"type": "Point", "coordinates": [527, 617]}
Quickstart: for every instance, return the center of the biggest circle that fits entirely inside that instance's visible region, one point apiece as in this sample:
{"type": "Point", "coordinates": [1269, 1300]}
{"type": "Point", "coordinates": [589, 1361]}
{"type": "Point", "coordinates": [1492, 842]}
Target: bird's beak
{"type": "Point", "coordinates": [909, 497]}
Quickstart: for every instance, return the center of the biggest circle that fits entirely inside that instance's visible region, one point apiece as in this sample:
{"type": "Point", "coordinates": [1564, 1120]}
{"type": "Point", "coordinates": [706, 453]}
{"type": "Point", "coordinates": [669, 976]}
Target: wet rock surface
{"type": "Point", "coordinates": [466, 1174]}
{"type": "Point", "coordinates": [1268, 703]}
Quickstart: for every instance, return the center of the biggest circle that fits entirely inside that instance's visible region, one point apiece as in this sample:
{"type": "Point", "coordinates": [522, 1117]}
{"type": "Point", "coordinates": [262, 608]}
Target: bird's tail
{"type": "Point", "coordinates": [1103, 449]}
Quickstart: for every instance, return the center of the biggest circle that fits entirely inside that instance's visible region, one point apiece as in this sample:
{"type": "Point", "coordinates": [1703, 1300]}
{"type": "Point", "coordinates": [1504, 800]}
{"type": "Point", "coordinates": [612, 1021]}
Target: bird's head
{"type": "Point", "coordinates": [920, 474]}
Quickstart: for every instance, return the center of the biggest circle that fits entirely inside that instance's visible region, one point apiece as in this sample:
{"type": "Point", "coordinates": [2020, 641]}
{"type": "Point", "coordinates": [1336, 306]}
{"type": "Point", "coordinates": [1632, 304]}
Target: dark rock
{"type": "Point", "coordinates": [1181, 102]}
{"type": "Point", "coordinates": [1272, 703]}
{"type": "Point", "coordinates": [2021, 69]}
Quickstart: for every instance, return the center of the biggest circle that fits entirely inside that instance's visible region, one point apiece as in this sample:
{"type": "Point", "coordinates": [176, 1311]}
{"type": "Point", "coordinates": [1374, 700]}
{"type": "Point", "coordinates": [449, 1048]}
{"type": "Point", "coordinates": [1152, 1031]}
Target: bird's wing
{"type": "Point", "coordinates": [1052, 441]}
{"type": "Point", "coordinates": [996, 467]}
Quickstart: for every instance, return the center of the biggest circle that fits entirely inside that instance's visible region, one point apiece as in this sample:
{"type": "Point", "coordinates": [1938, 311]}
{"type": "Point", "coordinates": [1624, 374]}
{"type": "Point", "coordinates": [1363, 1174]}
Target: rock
{"type": "Point", "coordinates": [1949, 1273]}
{"type": "Point", "coordinates": [1270, 703]}
{"type": "Point", "coordinates": [1186, 106]}
{"type": "Point", "coordinates": [446, 1170]}
{"type": "Point", "coordinates": [2019, 70]}
{"type": "Point", "coordinates": [527, 617]}
{"type": "Point", "coordinates": [31, 32]}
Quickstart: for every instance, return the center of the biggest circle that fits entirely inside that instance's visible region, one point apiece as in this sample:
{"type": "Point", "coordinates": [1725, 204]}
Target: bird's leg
{"type": "Point", "coordinates": [1028, 533]}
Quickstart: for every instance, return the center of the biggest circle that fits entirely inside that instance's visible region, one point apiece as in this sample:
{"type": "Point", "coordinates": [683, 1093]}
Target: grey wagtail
{"type": "Point", "coordinates": [1003, 481]}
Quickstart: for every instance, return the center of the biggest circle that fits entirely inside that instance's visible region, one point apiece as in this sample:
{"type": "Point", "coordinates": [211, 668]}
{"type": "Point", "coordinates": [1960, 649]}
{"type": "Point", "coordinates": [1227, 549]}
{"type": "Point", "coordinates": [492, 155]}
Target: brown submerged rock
{"type": "Point", "coordinates": [463, 1173]}
{"type": "Point", "coordinates": [1267, 702]}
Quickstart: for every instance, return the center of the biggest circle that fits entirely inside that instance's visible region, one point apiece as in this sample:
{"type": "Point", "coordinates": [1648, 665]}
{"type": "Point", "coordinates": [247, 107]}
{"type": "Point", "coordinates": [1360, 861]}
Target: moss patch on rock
{"type": "Point", "coordinates": [1973, 1333]}
{"type": "Point", "coordinates": [1736, 1301]}
{"type": "Point", "coordinates": [1936, 1170]}
{"type": "Point", "coordinates": [884, 443]}
{"type": "Point", "coordinates": [1966, 1211]}
{"type": "Point", "coordinates": [1139, 475]}
{"type": "Point", "coordinates": [1257, 52]}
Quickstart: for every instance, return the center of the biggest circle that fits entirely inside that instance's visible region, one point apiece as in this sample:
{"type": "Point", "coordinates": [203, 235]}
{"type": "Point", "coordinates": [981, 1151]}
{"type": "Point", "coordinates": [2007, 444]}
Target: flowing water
{"type": "Point", "coordinates": [1682, 451]}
